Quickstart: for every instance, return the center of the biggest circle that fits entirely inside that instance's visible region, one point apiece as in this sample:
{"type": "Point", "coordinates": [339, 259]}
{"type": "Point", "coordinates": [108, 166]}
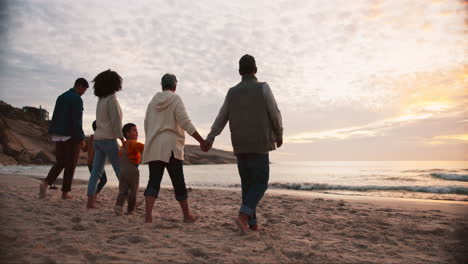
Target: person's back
{"type": "Point", "coordinates": [67, 116]}
{"type": "Point", "coordinates": [249, 123]}
{"type": "Point", "coordinates": [130, 158]}
{"type": "Point", "coordinates": [133, 149]}
{"type": "Point", "coordinates": [256, 125]}
{"type": "Point", "coordinates": [67, 132]}
{"type": "Point", "coordinates": [165, 123]}
{"type": "Point", "coordinates": [108, 118]}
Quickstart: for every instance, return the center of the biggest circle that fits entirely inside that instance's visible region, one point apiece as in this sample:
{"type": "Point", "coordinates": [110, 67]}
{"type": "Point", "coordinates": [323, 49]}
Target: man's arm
{"type": "Point", "coordinates": [218, 125]}
{"type": "Point", "coordinates": [77, 119]}
{"type": "Point", "coordinates": [274, 114]}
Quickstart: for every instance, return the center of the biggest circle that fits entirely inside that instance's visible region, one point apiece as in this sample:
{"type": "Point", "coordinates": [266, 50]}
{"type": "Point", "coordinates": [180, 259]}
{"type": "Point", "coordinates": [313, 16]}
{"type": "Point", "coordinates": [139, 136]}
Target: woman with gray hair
{"type": "Point", "coordinates": [165, 122]}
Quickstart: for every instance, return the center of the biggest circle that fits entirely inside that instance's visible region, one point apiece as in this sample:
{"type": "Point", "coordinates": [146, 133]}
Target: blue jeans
{"type": "Point", "coordinates": [102, 181]}
{"type": "Point", "coordinates": [254, 171]}
{"type": "Point", "coordinates": [103, 149]}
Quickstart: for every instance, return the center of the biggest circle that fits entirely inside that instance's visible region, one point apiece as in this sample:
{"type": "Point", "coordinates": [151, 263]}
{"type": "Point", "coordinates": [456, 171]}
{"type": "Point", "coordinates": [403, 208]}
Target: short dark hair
{"type": "Point", "coordinates": [168, 81]}
{"type": "Point", "coordinates": [81, 81]}
{"type": "Point", "coordinates": [247, 65]}
{"type": "Point", "coordinates": [94, 125]}
{"type": "Point", "coordinates": [126, 128]}
{"type": "Point", "coordinates": [107, 83]}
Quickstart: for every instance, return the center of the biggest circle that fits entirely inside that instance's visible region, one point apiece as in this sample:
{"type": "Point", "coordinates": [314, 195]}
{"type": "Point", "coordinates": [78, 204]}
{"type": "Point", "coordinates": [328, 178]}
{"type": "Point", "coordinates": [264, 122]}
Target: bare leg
{"type": "Point", "coordinates": [242, 222]}
{"type": "Point", "coordinates": [43, 189]}
{"type": "Point", "coordinates": [188, 217]}
{"type": "Point", "coordinates": [149, 203]}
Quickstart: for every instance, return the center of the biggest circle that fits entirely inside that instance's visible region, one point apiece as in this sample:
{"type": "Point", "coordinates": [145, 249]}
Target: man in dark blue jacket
{"type": "Point", "coordinates": [66, 131]}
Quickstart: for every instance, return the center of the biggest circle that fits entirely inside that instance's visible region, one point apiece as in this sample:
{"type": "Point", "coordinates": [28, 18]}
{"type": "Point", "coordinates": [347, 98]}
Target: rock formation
{"type": "Point", "coordinates": [24, 140]}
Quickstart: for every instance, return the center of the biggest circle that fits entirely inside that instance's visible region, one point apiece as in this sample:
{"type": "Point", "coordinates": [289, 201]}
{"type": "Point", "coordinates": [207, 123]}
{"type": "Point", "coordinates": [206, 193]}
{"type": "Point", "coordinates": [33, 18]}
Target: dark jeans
{"type": "Point", "coordinates": [176, 172]}
{"type": "Point", "coordinates": [66, 155]}
{"type": "Point", "coordinates": [102, 180]}
{"type": "Point", "coordinates": [254, 171]}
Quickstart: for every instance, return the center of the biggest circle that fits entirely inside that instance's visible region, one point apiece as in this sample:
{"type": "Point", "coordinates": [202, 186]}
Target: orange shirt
{"type": "Point", "coordinates": [134, 150]}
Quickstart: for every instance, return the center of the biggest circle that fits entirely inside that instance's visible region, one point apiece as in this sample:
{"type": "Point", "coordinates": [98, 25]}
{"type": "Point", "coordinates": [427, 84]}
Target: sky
{"type": "Point", "coordinates": [354, 80]}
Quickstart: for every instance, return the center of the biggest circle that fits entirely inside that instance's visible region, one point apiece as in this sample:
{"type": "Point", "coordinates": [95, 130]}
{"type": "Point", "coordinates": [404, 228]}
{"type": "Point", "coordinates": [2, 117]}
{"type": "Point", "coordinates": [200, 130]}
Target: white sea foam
{"type": "Point", "coordinates": [426, 189]}
{"type": "Point", "coordinates": [450, 176]}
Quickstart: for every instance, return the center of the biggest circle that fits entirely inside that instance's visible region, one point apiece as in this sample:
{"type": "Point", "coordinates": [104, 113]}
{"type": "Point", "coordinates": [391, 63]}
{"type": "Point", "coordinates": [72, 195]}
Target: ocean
{"type": "Point", "coordinates": [438, 180]}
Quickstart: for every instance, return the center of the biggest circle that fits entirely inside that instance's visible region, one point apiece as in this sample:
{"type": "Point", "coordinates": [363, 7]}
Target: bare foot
{"type": "Point", "coordinates": [256, 228]}
{"type": "Point", "coordinates": [42, 190]}
{"type": "Point", "coordinates": [148, 219]}
{"type": "Point", "coordinates": [242, 224]}
{"type": "Point", "coordinates": [118, 210]}
{"type": "Point", "coordinates": [91, 202]}
{"type": "Point", "coordinates": [66, 196]}
{"type": "Point", "coordinates": [190, 219]}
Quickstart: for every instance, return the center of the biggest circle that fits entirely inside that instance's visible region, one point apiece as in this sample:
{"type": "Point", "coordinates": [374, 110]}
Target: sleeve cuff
{"type": "Point", "coordinates": [210, 139]}
{"type": "Point", "coordinates": [190, 129]}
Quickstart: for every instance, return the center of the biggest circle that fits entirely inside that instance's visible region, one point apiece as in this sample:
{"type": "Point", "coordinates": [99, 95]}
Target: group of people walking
{"type": "Point", "coordinates": [250, 108]}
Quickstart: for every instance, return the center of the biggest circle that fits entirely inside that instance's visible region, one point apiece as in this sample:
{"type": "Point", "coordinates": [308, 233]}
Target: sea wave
{"type": "Point", "coordinates": [425, 189]}
{"type": "Point", "coordinates": [450, 176]}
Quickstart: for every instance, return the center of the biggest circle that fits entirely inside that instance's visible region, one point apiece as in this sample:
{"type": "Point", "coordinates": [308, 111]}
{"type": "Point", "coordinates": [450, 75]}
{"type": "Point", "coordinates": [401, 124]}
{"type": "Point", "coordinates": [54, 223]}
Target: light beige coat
{"type": "Point", "coordinates": [165, 122]}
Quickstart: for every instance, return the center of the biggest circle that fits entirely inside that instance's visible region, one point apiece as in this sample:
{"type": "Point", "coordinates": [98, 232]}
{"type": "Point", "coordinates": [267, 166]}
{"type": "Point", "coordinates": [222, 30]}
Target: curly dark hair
{"type": "Point", "coordinates": [107, 83]}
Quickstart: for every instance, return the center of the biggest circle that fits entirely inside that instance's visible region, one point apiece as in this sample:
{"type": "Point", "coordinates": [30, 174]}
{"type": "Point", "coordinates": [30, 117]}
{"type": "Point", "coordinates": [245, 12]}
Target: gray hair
{"type": "Point", "coordinates": [168, 81]}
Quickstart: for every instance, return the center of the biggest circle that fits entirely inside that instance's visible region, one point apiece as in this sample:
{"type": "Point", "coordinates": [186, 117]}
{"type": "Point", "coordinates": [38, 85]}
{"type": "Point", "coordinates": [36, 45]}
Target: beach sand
{"type": "Point", "coordinates": [300, 229]}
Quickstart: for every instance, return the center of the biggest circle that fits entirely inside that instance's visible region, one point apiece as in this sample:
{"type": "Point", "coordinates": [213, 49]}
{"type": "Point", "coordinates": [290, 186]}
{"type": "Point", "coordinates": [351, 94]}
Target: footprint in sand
{"type": "Point", "coordinates": [298, 223]}
{"type": "Point", "coordinates": [46, 260]}
{"type": "Point", "coordinates": [76, 219]}
{"type": "Point", "coordinates": [198, 252]}
{"type": "Point", "coordinates": [60, 228]}
{"type": "Point", "coordinates": [293, 254]}
{"type": "Point", "coordinates": [69, 250]}
{"type": "Point", "coordinates": [137, 239]}
{"type": "Point", "coordinates": [78, 227]}
{"type": "Point", "coordinates": [101, 221]}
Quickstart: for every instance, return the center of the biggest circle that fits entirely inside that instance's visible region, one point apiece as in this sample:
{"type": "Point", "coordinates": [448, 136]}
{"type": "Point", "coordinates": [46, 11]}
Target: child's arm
{"type": "Point", "coordinates": [140, 147]}
{"type": "Point", "coordinates": [84, 147]}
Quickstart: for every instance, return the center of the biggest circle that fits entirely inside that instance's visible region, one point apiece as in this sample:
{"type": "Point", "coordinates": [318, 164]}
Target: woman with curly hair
{"type": "Point", "coordinates": [108, 130]}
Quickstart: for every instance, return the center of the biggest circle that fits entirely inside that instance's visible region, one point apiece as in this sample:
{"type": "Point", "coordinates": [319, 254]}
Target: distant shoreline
{"type": "Point", "coordinates": [452, 206]}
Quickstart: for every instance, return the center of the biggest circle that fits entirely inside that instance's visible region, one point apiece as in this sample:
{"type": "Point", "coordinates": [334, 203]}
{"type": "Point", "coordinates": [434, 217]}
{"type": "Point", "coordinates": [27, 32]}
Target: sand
{"type": "Point", "coordinates": [300, 229]}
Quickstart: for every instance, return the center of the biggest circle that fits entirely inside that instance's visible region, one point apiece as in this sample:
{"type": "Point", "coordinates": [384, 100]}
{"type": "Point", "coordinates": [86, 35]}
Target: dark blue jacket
{"type": "Point", "coordinates": [67, 119]}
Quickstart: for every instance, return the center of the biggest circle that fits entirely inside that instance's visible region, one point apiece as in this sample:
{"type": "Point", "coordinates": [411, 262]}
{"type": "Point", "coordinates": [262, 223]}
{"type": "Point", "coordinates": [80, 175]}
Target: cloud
{"type": "Point", "coordinates": [341, 65]}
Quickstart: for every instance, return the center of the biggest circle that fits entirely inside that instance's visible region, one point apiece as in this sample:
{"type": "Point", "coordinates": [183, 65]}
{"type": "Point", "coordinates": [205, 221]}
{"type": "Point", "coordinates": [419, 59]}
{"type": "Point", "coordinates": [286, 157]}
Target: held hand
{"type": "Point", "coordinates": [279, 142]}
{"type": "Point", "coordinates": [205, 146]}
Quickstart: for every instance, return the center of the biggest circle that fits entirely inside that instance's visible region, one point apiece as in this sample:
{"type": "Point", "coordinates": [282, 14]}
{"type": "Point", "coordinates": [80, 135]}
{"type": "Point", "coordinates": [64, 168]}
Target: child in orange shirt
{"type": "Point", "coordinates": [130, 158]}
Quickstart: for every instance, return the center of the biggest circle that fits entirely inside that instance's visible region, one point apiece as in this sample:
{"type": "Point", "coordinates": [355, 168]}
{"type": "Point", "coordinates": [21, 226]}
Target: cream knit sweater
{"type": "Point", "coordinates": [165, 122]}
{"type": "Point", "coordinates": [108, 118]}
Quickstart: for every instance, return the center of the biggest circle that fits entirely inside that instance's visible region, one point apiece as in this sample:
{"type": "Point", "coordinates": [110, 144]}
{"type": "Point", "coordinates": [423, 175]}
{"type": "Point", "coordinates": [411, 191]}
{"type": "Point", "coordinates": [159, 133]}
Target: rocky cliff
{"type": "Point", "coordinates": [24, 140]}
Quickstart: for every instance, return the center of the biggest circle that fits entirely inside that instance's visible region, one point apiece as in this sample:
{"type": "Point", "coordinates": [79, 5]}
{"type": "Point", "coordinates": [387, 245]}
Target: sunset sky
{"type": "Point", "coordinates": [354, 80]}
